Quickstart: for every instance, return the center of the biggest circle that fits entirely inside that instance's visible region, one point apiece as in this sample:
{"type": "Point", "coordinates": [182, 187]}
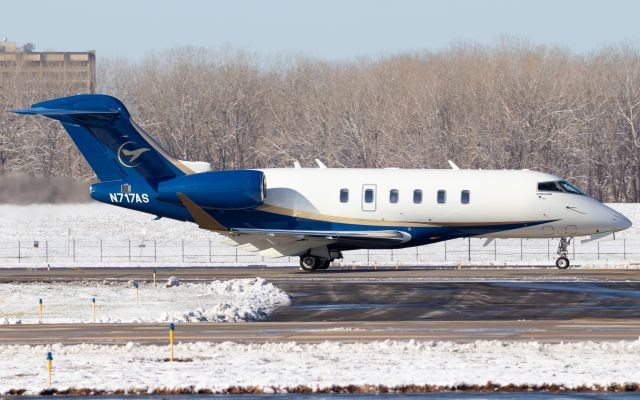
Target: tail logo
{"type": "Point", "coordinates": [128, 154]}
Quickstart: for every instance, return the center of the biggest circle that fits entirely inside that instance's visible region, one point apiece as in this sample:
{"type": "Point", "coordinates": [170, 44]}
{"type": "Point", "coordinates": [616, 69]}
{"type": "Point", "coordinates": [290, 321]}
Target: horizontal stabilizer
{"type": "Point", "coordinates": [62, 111]}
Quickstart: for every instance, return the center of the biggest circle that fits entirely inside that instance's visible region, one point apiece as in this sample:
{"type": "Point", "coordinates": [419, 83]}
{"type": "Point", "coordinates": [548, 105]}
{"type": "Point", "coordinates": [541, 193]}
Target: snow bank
{"type": "Point", "coordinates": [275, 366]}
{"type": "Point", "coordinates": [220, 301]}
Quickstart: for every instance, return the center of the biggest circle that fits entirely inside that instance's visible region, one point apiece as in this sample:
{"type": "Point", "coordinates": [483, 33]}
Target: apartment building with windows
{"type": "Point", "coordinates": [78, 68]}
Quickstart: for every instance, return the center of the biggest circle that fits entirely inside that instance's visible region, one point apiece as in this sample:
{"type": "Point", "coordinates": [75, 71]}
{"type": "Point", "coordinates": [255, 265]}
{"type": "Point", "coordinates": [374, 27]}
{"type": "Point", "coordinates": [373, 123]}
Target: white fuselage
{"type": "Point", "coordinates": [494, 197]}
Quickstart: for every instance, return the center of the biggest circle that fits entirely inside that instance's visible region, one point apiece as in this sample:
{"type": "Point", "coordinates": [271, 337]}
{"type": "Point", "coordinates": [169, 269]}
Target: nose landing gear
{"type": "Point", "coordinates": [563, 262]}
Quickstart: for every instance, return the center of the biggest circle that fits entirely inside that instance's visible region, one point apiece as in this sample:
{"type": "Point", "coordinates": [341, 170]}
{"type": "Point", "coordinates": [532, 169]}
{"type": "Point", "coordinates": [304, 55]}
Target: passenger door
{"type": "Point", "coordinates": [368, 197]}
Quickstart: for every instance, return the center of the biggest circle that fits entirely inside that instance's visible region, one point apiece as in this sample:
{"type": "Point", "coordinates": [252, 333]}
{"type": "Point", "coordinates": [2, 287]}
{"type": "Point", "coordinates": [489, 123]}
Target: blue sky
{"type": "Point", "coordinates": [329, 29]}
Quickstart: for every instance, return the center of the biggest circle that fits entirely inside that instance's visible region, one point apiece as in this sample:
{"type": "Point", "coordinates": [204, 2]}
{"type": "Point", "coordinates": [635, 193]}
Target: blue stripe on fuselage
{"type": "Point", "coordinates": [258, 219]}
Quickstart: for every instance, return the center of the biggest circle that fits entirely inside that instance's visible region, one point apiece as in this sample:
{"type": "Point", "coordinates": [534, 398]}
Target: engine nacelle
{"type": "Point", "coordinates": [231, 190]}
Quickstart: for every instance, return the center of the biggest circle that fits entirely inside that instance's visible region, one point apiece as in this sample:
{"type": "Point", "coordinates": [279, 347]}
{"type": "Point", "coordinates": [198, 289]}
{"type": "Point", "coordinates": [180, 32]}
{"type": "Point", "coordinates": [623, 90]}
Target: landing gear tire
{"type": "Point", "coordinates": [309, 263]}
{"type": "Point", "coordinates": [312, 263]}
{"type": "Point", "coordinates": [562, 263]}
{"type": "Point", "coordinates": [325, 264]}
{"type": "Point", "coordinates": [563, 250]}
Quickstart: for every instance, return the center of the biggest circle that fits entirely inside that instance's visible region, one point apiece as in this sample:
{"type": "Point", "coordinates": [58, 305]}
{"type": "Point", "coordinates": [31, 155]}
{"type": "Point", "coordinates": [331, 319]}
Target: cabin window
{"type": "Point", "coordinates": [417, 196]}
{"type": "Point", "coordinates": [344, 195]}
{"type": "Point", "coordinates": [393, 196]}
{"type": "Point", "coordinates": [465, 197]}
{"type": "Point", "coordinates": [368, 196]}
{"type": "Point", "coordinates": [442, 196]}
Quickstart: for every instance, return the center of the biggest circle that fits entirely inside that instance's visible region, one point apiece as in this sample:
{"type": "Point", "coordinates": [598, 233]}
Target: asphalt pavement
{"type": "Point", "coordinates": [313, 332]}
{"type": "Point", "coordinates": [276, 274]}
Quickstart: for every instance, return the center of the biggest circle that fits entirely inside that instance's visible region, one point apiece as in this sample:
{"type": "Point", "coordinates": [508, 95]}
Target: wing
{"type": "Point", "coordinates": [282, 243]}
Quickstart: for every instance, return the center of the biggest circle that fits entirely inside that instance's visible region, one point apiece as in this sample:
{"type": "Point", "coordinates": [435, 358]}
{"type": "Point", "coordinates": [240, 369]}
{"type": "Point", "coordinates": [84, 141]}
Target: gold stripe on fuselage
{"type": "Point", "coordinates": [363, 221]}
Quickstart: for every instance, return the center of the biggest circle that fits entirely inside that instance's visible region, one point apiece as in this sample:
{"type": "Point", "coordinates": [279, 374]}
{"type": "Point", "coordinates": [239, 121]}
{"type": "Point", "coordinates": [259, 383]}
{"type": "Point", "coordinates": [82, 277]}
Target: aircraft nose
{"type": "Point", "coordinates": [620, 222]}
{"type": "Point", "coordinates": [607, 219]}
{"type": "Point", "coordinates": [624, 223]}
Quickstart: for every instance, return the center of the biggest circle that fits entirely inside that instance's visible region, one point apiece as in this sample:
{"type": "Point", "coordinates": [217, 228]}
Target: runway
{"type": "Point", "coordinates": [260, 332]}
{"type": "Point", "coordinates": [278, 274]}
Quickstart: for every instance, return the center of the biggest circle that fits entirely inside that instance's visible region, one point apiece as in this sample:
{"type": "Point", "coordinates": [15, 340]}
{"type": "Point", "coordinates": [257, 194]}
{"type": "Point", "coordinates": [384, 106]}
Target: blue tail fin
{"type": "Point", "coordinates": [108, 138]}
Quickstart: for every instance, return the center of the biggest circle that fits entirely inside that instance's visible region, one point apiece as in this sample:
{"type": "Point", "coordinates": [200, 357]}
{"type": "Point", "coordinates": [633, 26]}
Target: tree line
{"type": "Point", "coordinates": [511, 105]}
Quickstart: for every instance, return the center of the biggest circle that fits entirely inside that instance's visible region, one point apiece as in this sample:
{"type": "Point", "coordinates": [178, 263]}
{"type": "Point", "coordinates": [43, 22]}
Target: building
{"type": "Point", "coordinates": [78, 69]}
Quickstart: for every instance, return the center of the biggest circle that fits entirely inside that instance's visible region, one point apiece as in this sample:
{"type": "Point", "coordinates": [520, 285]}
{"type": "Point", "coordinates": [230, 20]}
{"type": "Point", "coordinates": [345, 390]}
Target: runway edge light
{"type": "Point", "coordinates": [40, 309]}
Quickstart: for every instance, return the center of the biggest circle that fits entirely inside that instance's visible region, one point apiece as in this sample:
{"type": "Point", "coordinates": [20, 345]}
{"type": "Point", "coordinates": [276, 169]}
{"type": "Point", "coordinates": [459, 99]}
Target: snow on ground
{"type": "Point", "coordinates": [219, 301]}
{"type": "Point", "coordinates": [89, 221]}
{"type": "Point", "coordinates": [96, 234]}
{"type": "Point", "coordinates": [275, 366]}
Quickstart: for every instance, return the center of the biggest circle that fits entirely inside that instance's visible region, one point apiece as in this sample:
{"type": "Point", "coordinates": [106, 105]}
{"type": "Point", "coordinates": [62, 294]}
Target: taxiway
{"type": "Point", "coordinates": [260, 332]}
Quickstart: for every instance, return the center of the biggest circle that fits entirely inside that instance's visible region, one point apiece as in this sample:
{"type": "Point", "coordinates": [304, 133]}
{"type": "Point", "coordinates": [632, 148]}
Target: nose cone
{"type": "Point", "coordinates": [618, 221]}
{"type": "Point", "coordinates": [605, 219]}
{"type": "Point", "coordinates": [624, 223]}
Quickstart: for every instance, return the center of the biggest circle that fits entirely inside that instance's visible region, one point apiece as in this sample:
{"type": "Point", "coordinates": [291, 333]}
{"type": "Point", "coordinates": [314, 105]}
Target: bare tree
{"type": "Point", "coordinates": [511, 105]}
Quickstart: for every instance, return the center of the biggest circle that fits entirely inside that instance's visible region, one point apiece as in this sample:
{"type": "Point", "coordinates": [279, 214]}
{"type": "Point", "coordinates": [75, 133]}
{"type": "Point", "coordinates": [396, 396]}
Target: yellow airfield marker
{"type": "Point", "coordinates": [49, 367]}
{"type": "Point", "coordinates": [40, 308]}
{"type": "Point", "coordinates": [172, 328]}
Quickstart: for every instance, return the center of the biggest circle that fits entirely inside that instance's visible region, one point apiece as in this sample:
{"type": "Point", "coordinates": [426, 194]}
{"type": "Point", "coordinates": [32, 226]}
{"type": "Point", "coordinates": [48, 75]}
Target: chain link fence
{"type": "Point", "coordinates": [183, 251]}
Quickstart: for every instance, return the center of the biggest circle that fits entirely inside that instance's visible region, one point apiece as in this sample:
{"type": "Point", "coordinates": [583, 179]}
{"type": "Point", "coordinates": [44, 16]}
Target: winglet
{"type": "Point", "coordinates": [204, 220]}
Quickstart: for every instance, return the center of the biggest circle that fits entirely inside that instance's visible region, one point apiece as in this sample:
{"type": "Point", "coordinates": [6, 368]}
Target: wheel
{"type": "Point", "coordinates": [309, 263]}
{"type": "Point", "coordinates": [325, 264]}
{"type": "Point", "coordinates": [562, 263]}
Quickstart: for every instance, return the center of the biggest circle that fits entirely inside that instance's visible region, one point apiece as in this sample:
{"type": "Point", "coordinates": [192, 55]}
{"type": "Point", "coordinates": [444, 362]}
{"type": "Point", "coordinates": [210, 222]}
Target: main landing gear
{"type": "Point", "coordinates": [563, 262]}
{"type": "Point", "coordinates": [311, 263]}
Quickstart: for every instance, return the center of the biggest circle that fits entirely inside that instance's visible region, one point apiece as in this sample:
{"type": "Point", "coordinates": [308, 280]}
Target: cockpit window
{"type": "Point", "coordinates": [558, 186]}
{"type": "Point", "coordinates": [569, 187]}
{"type": "Point", "coordinates": [548, 187]}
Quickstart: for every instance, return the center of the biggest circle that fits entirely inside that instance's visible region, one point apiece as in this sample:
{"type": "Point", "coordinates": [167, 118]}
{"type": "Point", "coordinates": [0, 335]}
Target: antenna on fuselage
{"type": "Point", "coordinates": [453, 165]}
